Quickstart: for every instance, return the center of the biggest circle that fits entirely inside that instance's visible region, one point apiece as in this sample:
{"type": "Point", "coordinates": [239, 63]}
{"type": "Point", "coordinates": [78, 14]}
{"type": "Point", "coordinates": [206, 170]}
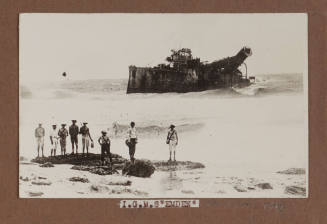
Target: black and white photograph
{"type": "Point", "coordinates": [181, 105]}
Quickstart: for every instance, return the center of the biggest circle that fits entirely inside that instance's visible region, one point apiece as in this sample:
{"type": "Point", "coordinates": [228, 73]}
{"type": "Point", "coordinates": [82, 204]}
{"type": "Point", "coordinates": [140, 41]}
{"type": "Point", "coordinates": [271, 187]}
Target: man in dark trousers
{"type": "Point", "coordinates": [86, 137]}
{"type": "Point", "coordinates": [131, 141]}
{"type": "Point", "coordinates": [73, 132]}
{"type": "Point", "coordinates": [104, 142]}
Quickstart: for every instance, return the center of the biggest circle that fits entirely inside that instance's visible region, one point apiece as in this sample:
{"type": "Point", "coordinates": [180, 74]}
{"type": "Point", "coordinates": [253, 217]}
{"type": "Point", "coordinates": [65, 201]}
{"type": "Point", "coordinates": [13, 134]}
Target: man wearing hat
{"type": "Point", "coordinates": [104, 142]}
{"type": "Point", "coordinates": [54, 139]}
{"type": "Point", "coordinates": [86, 137]}
{"type": "Point", "coordinates": [73, 132]}
{"type": "Point", "coordinates": [63, 133]}
{"type": "Point", "coordinates": [39, 135]}
{"type": "Point", "coordinates": [172, 140]}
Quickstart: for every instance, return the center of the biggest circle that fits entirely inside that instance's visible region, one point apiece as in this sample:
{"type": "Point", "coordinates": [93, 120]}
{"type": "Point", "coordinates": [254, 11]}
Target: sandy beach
{"type": "Point", "coordinates": [243, 137]}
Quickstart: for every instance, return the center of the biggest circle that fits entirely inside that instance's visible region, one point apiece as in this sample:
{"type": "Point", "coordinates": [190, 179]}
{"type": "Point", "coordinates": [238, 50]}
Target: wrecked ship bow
{"type": "Point", "coordinates": [183, 73]}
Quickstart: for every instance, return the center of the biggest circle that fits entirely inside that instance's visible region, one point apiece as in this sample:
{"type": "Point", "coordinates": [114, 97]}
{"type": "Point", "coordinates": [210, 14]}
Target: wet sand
{"type": "Point", "coordinates": [196, 183]}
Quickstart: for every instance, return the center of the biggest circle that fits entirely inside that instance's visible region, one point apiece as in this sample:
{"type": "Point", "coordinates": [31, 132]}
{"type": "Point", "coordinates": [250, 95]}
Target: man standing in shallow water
{"type": "Point", "coordinates": [39, 135]}
{"type": "Point", "coordinates": [172, 140]}
{"type": "Point", "coordinates": [86, 137]}
{"type": "Point", "coordinates": [73, 132]}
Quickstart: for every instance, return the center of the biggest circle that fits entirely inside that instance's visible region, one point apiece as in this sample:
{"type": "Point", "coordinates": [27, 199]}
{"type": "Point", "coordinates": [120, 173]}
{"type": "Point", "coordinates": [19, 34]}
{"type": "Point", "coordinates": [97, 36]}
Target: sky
{"type": "Point", "coordinates": [102, 46]}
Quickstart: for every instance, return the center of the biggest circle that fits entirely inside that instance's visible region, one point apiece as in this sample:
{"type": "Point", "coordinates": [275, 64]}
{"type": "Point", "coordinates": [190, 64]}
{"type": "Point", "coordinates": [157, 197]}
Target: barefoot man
{"type": "Point", "coordinates": [104, 142]}
{"type": "Point", "coordinates": [39, 135]}
{"type": "Point", "coordinates": [86, 137]}
{"type": "Point", "coordinates": [172, 140]}
{"type": "Point", "coordinates": [63, 133]}
{"type": "Point", "coordinates": [73, 132]}
{"type": "Point", "coordinates": [54, 139]}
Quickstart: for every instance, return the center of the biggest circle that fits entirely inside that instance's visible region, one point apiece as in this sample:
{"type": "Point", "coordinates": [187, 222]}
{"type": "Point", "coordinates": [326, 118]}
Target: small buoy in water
{"type": "Point", "coordinates": [64, 74]}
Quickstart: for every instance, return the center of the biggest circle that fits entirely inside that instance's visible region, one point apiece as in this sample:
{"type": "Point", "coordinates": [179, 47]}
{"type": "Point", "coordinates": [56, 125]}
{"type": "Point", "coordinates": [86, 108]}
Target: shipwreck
{"type": "Point", "coordinates": [184, 73]}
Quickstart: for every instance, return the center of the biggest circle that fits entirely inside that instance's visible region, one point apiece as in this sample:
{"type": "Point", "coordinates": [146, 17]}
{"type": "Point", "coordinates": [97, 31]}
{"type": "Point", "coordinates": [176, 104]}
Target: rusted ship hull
{"type": "Point", "coordinates": [189, 75]}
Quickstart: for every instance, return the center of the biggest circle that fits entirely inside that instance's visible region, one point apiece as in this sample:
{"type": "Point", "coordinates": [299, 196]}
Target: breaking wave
{"type": "Point", "coordinates": [156, 130]}
{"type": "Point", "coordinates": [273, 84]}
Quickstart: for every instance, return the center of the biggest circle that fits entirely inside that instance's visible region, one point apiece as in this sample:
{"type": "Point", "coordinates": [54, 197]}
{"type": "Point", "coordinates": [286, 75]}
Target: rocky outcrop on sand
{"type": "Point", "coordinates": [47, 164]}
{"type": "Point", "coordinates": [31, 178]}
{"type": "Point", "coordinates": [41, 182]}
{"type": "Point", "coordinates": [35, 194]}
{"type": "Point", "coordinates": [24, 178]}
{"type": "Point", "coordinates": [187, 191]}
{"type": "Point", "coordinates": [264, 186]}
{"type": "Point", "coordinates": [240, 188]}
{"type": "Point", "coordinates": [74, 159]}
{"type": "Point", "coordinates": [121, 183]}
{"type": "Point", "coordinates": [92, 163]}
{"type": "Point", "coordinates": [140, 168]}
{"type": "Point", "coordinates": [79, 179]}
{"type": "Point", "coordinates": [22, 158]}
{"type": "Point", "coordinates": [295, 190]}
{"type": "Point", "coordinates": [100, 170]}
{"type": "Point", "coordinates": [117, 190]}
{"type": "Point", "coordinates": [293, 171]}
{"type": "Point", "coordinates": [176, 165]}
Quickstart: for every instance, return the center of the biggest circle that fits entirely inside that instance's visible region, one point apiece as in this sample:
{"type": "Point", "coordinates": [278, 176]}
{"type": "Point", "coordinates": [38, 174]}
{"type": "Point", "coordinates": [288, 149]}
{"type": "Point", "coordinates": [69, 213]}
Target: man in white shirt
{"type": "Point", "coordinates": [132, 140]}
{"type": "Point", "coordinates": [54, 139]}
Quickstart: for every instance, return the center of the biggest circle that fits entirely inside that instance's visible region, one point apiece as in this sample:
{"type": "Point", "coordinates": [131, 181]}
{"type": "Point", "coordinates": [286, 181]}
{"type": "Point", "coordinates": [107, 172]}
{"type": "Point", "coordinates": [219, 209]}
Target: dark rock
{"type": "Point", "coordinates": [26, 163]}
{"type": "Point", "coordinates": [92, 163]}
{"type": "Point", "coordinates": [294, 171]}
{"type": "Point", "coordinates": [295, 190]}
{"type": "Point", "coordinates": [74, 159]}
{"type": "Point", "coordinates": [47, 164]}
{"type": "Point", "coordinates": [264, 186]}
{"type": "Point", "coordinates": [24, 178]}
{"type": "Point", "coordinates": [240, 188]}
{"type": "Point", "coordinates": [178, 165]}
{"type": "Point", "coordinates": [41, 182]}
{"type": "Point", "coordinates": [82, 168]}
{"type": "Point", "coordinates": [22, 158]}
{"type": "Point", "coordinates": [79, 179]}
{"type": "Point", "coordinates": [141, 168]}
{"type": "Point", "coordinates": [99, 188]}
{"type": "Point", "coordinates": [35, 194]}
{"type": "Point", "coordinates": [100, 170]}
{"type": "Point", "coordinates": [121, 183]}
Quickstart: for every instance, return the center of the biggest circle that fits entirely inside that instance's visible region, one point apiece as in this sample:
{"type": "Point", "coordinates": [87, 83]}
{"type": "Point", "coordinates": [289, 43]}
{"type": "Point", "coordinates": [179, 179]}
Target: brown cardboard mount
{"type": "Point", "coordinates": [69, 211]}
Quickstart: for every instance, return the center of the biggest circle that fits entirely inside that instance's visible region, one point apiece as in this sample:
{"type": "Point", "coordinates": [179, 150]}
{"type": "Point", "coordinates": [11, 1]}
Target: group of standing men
{"type": "Point", "coordinates": [60, 136]}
